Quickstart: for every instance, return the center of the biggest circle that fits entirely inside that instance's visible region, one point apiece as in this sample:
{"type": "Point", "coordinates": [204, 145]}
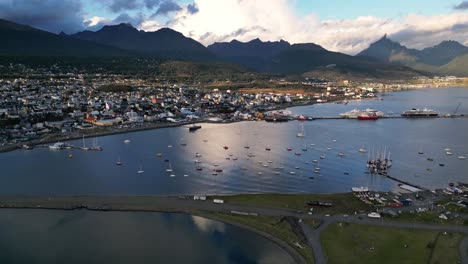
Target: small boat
{"type": "Point", "coordinates": [170, 168]}
{"type": "Point", "coordinates": [269, 161]}
{"type": "Point", "coordinates": [199, 168]}
{"type": "Point", "coordinates": [312, 144]}
{"type": "Point", "coordinates": [169, 146]}
{"type": "Point", "coordinates": [311, 178]}
{"type": "Point", "coordinates": [315, 161]}
{"type": "Point", "coordinates": [172, 175]}
{"type": "Point", "coordinates": [341, 154]}
{"type": "Point", "coordinates": [244, 168]}
{"type": "Point", "coordinates": [362, 150]}
{"type": "Point", "coordinates": [70, 156]}
{"type": "Point", "coordinates": [159, 155]}
{"type": "Point", "coordinates": [292, 172]}
{"type": "Point", "coordinates": [267, 149]}
{"type": "Point", "coordinates": [119, 162]}
{"type": "Point", "coordinates": [288, 149]}
{"type": "Point", "coordinates": [448, 153]}
{"type": "Point", "coordinates": [322, 157]}
{"type": "Point", "coordinates": [194, 127]}
{"type": "Point", "coordinates": [328, 148]}
{"type": "Point", "coordinates": [461, 157]}
{"type": "Point", "coordinates": [265, 165]}
{"type": "Point", "coordinates": [430, 159]}
{"type": "Point", "coordinates": [226, 147]}
{"type": "Point", "coordinates": [276, 172]}
{"type": "Point", "coordinates": [447, 149]}
{"type": "Point", "coordinates": [127, 141]}
{"type": "Point", "coordinates": [185, 175]}
{"type": "Point", "coordinates": [259, 173]}
{"type": "Point", "coordinates": [297, 153]}
{"type": "Point", "coordinates": [140, 170]}
{"type": "Point", "coordinates": [441, 164]}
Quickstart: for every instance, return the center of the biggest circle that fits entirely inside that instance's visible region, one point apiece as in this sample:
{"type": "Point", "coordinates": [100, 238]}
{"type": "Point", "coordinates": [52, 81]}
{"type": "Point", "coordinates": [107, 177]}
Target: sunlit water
{"type": "Point", "coordinates": [42, 171]}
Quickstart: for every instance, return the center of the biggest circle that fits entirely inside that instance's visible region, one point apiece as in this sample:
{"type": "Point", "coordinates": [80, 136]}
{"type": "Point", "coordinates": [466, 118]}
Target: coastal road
{"type": "Point", "coordinates": [185, 205]}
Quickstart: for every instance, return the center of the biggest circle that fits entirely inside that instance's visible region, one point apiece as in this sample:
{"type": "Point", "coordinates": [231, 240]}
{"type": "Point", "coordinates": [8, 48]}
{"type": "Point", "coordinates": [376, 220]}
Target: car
{"type": "Point", "coordinates": [327, 215]}
{"type": "Point", "coordinates": [345, 215]}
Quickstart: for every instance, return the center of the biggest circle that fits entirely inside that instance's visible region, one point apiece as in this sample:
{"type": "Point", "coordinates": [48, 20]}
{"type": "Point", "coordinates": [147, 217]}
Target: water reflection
{"type": "Point", "coordinates": [44, 236]}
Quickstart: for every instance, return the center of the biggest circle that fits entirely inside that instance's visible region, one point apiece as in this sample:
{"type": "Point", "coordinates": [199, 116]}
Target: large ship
{"type": "Point", "coordinates": [415, 112]}
{"type": "Point", "coordinates": [355, 113]}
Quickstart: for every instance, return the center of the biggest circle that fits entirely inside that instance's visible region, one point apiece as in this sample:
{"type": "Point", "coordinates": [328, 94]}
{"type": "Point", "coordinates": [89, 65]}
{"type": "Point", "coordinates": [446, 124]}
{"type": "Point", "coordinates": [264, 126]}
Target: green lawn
{"type": "Point", "coordinates": [352, 243]}
{"type": "Point", "coordinates": [272, 226]}
{"type": "Point", "coordinates": [342, 202]}
{"type": "Point", "coordinates": [427, 218]}
{"type": "Point", "coordinates": [446, 247]}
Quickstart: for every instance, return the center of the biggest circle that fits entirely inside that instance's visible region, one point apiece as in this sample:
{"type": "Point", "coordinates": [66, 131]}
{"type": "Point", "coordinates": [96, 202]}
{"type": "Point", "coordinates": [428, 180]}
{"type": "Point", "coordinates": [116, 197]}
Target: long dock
{"type": "Point", "coordinates": [310, 118]}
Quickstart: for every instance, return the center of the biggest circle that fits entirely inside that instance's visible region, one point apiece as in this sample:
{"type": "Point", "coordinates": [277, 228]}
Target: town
{"type": "Point", "coordinates": [72, 104]}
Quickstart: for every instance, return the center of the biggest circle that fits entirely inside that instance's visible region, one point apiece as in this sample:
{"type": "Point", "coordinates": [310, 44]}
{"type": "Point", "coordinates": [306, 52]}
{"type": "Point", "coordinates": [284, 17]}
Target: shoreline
{"type": "Point", "coordinates": [71, 203]}
{"type": "Point", "coordinates": [95, 132]}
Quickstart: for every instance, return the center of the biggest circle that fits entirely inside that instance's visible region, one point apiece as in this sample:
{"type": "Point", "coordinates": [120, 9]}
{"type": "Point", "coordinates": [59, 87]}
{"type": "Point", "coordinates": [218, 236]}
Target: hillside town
{"type": "Point", "coordinates": [68, 105]}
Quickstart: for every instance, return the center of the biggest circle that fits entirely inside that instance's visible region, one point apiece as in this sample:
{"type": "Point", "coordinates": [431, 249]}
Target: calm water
{"type": "Point", "coordinates": [42, 236]}
{"type": "Point", "coordinates": [41, 171]}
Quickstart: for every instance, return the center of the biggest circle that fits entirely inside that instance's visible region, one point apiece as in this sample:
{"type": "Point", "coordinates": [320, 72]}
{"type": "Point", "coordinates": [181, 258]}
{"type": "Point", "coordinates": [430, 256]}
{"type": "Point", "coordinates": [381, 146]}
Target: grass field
{"type": "Point", "coordinates": [342, 202]}
{"type": "Point", "coordinates": [352, 243]}
{"type": "Point", "coordinates": [272, 226]}
{"type": "Point", "coordinates": [427, 218]}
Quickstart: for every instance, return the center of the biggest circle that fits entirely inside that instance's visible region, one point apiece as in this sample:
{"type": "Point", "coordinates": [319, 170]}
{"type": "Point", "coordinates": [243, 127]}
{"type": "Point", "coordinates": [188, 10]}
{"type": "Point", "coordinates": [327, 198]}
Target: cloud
{"type": "Point", "coordinates": [462, 6]}
{"type": "Point", "coordinates": [165, 7]}
{"type": "Point", "coordinates": [150, 4]}
{"type": "Point", "coordinates": [49, 15]}
{"type": "Point", "coordinates": [225, 20]}
{"type": "Point", "coordinates": [192, 8]}
{"type": "Point", "coordinates": [122, 5]}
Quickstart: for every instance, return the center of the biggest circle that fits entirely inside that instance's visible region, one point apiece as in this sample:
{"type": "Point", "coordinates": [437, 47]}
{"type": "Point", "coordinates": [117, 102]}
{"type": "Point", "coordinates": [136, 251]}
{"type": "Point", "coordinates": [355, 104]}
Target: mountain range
{"type": "Point", "coordinates": [441, 58]}
{"type": "Point", "coordinates": [383, 59]}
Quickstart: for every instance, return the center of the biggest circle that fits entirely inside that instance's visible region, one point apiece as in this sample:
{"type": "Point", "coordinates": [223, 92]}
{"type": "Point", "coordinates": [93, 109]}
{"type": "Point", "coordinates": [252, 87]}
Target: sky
{"type": "Point", "coordinates": [347, 26]}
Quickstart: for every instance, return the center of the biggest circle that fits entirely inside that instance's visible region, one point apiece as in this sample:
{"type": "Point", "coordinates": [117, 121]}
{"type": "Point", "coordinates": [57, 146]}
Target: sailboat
{"type": "Point", "coordinates": [119, 162]}
{"type": "Point", "coordinates": [301, 134]}
{"type": "Point", "coordinates": [363, 150]}
{"type": "Point", "coordinates": [170, 168]}
{"type": "Point", "coordinates": [84, 145]}
{"type": "Point", "coordinates": [140, 170]}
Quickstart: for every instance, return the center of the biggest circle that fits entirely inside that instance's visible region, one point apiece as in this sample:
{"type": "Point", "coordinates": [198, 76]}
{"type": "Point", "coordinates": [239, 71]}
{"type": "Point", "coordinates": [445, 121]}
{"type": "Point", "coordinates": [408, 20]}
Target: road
{"type": "Point", "coordinates": [176, 204]}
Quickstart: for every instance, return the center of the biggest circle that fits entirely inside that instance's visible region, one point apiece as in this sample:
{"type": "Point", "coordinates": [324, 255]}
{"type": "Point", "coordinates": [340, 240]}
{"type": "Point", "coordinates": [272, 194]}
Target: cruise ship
{"type": "Point", "coordinates": [415, 112]}
{"type": "Point", "coordinates": [355, 113]}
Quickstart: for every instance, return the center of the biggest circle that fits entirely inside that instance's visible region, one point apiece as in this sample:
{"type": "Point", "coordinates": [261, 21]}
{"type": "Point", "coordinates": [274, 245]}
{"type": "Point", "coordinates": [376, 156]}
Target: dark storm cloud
{"type": "Point", "coordinates": [166, 7]}
{"type": "Point", "coordinates": [49, 15]}
{"type": "Point", "coordinates": [462, 6]}
{"type": "Point", "coordinates": [192, 8]}
{"type": "Point", "coordinates": [122, 5]}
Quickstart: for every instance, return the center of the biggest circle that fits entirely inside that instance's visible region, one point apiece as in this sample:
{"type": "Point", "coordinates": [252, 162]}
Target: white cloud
{"type": "Point", "coordinates": [224, 20]}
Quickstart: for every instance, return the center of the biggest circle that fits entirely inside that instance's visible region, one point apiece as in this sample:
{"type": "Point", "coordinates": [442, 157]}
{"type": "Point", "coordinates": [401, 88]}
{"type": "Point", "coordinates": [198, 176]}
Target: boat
{"type": "Point", "coordinates": [84, 144]}
{"type": "Point", "coordinates": [159, 155]}
{"type": "Point", "coordinates": [301, 118]}
{"type": "Point", "coordinates": [355, 113]}
{"type": "Point", "coordinates": [170, 168]}
{"type": "Point", "coordinates": [416, 112]}
{"type": "Point", "coordinates": [140, 170]}
{"type": "Point", "coordinates": [127, 141]}
{"type": "Point", "coordinates": [70, 156]}
{"type": "Point", "coordinates": [368, 116]}
{"type": "Point", "coordinates": [448, 153]}
{"type": "Point", "coordinates": [362, 150]}
{"type": "Point", "coordinates": [461, 157]}
{"type": "Point", "coordinates": [226, 147]}
{"type": "Point", "coordinates": [301, 134]}
{"type": "Point", "coordinates": [194, 127]}
{"type": "Point", "coordinates": [27, 147]}
{"type": "Point", "coordinates": [373, 215]}
{"type": "Point", "coordinates": [341, 154]}
{"type": "Point", "coordinates": [267, 149]}
{"type": "Point", "coordinates": [57, 146]}
{"type": "Point", "coordinates": [119, 162]}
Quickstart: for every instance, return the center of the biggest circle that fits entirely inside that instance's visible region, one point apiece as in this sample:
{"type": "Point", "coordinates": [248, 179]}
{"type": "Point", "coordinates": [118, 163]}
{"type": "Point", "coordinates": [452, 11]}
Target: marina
{"type": "Point", "coordinates": [330, 157]}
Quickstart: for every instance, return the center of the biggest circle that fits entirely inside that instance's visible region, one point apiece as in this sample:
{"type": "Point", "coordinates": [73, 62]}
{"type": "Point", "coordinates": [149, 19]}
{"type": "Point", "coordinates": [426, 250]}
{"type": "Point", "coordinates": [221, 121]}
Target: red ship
{"type": "Point", "coordinates": [368, 117]}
